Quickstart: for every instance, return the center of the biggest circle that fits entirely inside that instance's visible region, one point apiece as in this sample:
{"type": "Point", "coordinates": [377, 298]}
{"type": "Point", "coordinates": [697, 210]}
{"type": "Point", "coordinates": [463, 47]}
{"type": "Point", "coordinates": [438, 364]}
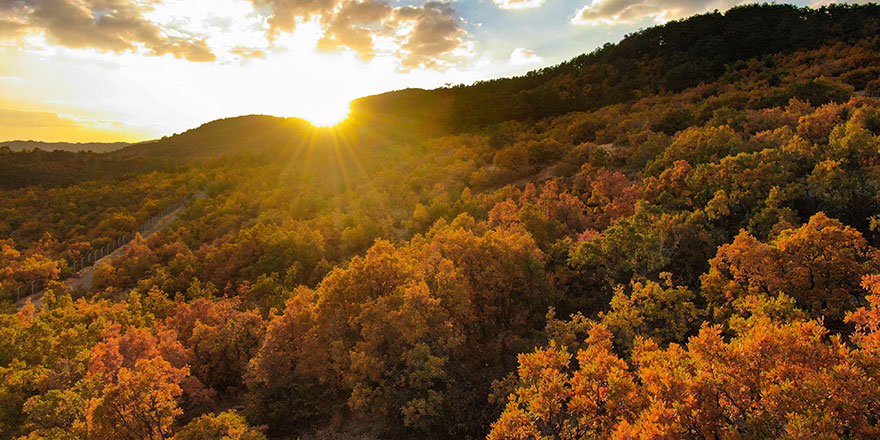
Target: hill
{"type": "Point", "coordinates": [97, 147]}
{"type": "Point", "coordinates": [662, 59]}
{"type": "Point", "coordinates": [253, 134]}
{"type": "Point", "coordinates": [58, 168]}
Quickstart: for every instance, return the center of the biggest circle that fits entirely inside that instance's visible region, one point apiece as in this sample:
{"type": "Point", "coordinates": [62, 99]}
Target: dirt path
{"type": "Point", "coordinates": [82, 280]}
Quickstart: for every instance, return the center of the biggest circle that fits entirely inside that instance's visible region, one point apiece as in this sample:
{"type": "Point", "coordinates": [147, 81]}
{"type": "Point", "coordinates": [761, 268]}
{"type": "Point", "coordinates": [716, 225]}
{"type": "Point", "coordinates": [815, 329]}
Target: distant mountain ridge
{"type": "Point", "coordinates": [97, 147]}
{"type": "Point", "coordinates": [250, 133]}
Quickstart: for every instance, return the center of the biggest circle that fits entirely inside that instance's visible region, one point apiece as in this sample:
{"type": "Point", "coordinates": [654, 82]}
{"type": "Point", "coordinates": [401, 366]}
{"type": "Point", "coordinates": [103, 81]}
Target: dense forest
{"type": "Point", "coordinates": [672, 237]}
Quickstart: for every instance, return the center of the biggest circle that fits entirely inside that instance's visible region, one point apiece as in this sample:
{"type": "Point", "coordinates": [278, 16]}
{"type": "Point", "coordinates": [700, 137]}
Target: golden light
{"type": "Point", "coordinates": [326, 115]}
{"type": "Point", "coordinates": [64, 94]}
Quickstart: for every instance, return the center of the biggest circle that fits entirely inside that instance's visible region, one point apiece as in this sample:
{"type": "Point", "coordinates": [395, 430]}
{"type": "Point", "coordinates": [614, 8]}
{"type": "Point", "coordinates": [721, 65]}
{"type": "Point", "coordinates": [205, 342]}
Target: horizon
{"type": "Point", "coordinates": [134, 72]}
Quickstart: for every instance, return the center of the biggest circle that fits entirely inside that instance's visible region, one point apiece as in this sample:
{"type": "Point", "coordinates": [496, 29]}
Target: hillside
{"type": "Point", "coordinates": [254, 133]}
{"type": "Point", "coordinates": [58, 168]}
{"type": "Point", "coordinates": [676, 236]}
{"type": "Point", "coordinates": [667, 58]}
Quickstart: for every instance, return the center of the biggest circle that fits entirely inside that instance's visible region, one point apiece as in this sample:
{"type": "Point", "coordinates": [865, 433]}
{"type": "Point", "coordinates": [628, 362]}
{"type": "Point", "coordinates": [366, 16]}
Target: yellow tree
{"type": "Point", "coordinates": [141, 403]}
{"type": "Point", "coordinates": [226, 426]}
{"type": "Point", "coordinates": [559, 400]}
{"type": "Point", "coordinates": [819, 264]}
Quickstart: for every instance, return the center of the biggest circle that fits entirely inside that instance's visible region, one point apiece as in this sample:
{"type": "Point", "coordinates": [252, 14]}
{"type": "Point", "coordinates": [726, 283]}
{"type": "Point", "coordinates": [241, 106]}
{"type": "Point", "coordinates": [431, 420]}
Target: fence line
{"type": "Point", "coordinates": [107, 249]}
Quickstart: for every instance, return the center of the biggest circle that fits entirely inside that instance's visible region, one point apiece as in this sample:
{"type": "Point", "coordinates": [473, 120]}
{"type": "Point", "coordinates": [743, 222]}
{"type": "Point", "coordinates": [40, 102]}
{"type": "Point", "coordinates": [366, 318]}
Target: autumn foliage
{"type": "Point", "coordinates": [661, 246]}
{"type": "Point", "coordinates": [779, 374]}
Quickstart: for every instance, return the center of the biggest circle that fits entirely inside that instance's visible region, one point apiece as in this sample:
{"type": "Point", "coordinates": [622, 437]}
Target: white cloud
{"type": "Point", "coordinates": [429, 35]}
{"type": "Point", "coordinates": [424, 34]}
{"type": "Point", "coordinates": [518, 4]}
{"type": "Point", "coordinates": [106, 25]}
{"type": "Point", "coordinates": [521, 56]}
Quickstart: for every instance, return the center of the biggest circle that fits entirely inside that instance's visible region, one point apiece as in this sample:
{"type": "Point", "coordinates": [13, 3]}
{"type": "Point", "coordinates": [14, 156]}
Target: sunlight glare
{"type": "Point", "coordinates": [326, 114]}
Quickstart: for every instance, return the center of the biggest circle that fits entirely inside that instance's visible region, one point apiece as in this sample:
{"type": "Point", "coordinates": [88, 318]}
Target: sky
{"type": "Point", "coordinates": [133, 70]}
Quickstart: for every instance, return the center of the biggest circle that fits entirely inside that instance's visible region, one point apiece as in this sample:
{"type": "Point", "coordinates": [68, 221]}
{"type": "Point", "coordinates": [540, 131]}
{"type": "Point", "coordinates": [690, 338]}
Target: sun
{"type": "Point", "coordinates": [327, 115]}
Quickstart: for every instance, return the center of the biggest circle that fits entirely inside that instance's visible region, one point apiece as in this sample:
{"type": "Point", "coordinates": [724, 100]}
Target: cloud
{"type": "Point", "coordinates": [52, 127]}
{"type": "Point", "coordinates": [518, 4]}
{"type": "Point", "coordinates": [10, 27]}
{"type": "Point", "coordinates": [420, 34]}
{"type": "Point", "coordinates": [248, 52]}
{"type": "Point", "coordinates": [430, 35]}
{"type": "Point", "coordinates": [18, 118]}
{"type": "Point", "coordinates": [106, 25]}
{"type": "Point", "coordinates": [436, 31]}
{"type": "Point", "coordinates": [521, 56]}
{"type": "Point", "coordinates": [283, 14]}
{"type": "Point", "coordinates": [629, 11]}
{"type": "Point", "coordinates": [354, 25]}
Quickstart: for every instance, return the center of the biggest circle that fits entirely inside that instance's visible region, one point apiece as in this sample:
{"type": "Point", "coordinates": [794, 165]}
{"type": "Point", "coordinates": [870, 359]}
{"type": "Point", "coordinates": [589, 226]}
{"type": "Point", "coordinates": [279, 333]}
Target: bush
{"type": "Point", "coordinates": [821, 91]}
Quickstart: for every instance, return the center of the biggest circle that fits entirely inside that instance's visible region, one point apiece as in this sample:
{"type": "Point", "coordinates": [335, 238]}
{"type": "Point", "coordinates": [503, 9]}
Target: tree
{"type": "Point", "coordinates": [221, 338]}
{"type": "Point", "coordinates": [770, 380]}
{"type": "Point", "coordinates": [287, 387]}
{"type": "Point", "coordinates": [498, 289]}
{"type": "Point", "coordinates": [145, 375]}
{"type": "Point", "coordinates": [820, 264]}
{"type": "Point", "coordinates": [777, 376]}
{"type": "Point", "coordinates": [665, 313]}
{"type": "Point", "coordinates": [64, 413]}
{"type": "Point", "coordinates": [556, 399]}
{"type": "Point", "coordinates": [698, 145]}
{"type": "Point", "coordinates": [141, 402]}
{"type": "Point", "coordinates": [226, 426]}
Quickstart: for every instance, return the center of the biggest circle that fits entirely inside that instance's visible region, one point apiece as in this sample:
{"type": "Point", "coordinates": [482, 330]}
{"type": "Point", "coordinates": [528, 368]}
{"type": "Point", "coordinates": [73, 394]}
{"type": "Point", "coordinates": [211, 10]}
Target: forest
{"type": "Point", "coordinates": [641, 243]}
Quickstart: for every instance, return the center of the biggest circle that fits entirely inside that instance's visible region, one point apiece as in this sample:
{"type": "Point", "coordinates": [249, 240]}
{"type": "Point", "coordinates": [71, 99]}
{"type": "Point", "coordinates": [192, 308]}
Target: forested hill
{"type": "Point", "coordinates": [228, 136]}
{"type": "Point", "coordinates": [667, 58]}
{"type": "Point", "coordinates": [662, 59]}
